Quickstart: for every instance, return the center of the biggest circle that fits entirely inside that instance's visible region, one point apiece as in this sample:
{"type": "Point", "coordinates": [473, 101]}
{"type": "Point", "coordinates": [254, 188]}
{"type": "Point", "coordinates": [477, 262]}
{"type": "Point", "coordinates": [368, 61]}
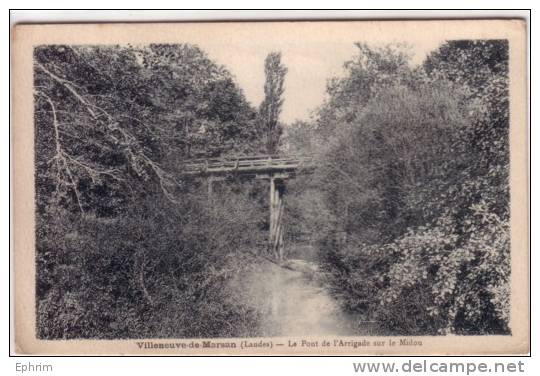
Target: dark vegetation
{"type": "Point", "coordinates": [409, 207]}
{"type": "Point", "coordinates": [411, 203]}
{"type": "Point", "coordinates": [126, 247]}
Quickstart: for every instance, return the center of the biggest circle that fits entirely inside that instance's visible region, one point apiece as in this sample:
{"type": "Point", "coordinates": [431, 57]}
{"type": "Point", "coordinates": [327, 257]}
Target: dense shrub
{"type": "Point", "coordinates": [415, 173]}
{"type": "Point", "coordinates": [157, 272]}
{"type": "Point", "coordinates": [127, 247]}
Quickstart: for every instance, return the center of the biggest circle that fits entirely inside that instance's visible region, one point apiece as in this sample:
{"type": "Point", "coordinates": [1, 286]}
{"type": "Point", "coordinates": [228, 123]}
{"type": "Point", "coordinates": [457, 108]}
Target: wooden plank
{"type": "Point", "coordinates": [248, 164]}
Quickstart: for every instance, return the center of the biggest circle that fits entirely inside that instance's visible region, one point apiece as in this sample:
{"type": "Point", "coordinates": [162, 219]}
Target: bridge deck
{"type": "Point", "coordinates": [259, 164]}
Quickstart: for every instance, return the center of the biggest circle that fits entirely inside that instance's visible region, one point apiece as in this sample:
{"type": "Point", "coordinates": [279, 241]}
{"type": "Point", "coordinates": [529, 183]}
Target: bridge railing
{"type": "Point", "coordinates": [246, 163]}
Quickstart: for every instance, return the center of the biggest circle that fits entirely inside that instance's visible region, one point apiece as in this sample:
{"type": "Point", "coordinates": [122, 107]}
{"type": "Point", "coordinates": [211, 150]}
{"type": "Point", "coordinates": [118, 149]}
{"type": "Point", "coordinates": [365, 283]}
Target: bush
{"type": "Point", "coordinates": [416, 178]}
{"type": "Point", "coordinates": [163, 271]}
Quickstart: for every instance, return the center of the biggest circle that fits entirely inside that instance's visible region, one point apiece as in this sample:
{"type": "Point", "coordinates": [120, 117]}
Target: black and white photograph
{"type": "Point", "coordinates": [272, 187]}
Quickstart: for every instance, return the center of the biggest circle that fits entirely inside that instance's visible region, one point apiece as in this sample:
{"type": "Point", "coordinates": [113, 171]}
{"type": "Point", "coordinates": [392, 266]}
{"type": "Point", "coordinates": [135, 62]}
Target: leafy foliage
{"type": "Point", "coordinates": [409, 205]}
{"type": "Point", "coordinates": [270, 108]}
{"type": "Point", "coordinates": [126, 246]}
{"type": "Point", "coordinates": [415, 174]}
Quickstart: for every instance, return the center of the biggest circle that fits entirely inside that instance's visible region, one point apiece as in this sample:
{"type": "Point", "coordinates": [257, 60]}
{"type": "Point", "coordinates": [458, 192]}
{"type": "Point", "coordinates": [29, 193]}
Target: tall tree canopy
{"type": "Point", "coordinates": [107, 115]}
{"type": "Point", "coordinates": [414, 174]}
{"type": "Point", "coordinates": [271, 106]}
{"type": "Point", "coordinates": [126, 246]}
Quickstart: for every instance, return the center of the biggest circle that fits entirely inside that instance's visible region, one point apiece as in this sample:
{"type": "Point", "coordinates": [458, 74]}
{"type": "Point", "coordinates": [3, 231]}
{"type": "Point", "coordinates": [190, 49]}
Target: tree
{"type": "Point", "coordinates": [415, 174]}
{"type": "Point", "coordinates": [199, 108]}
{"type": "Point", "coordinates": [126, 247]}
{"type": "Point", "coordinates": [479, 68]}
{"type": "Point", "coordinates": [270, 108]}
{"type": "Point", "coordinates": [371, 70]}
{"type": "Point", "coordinates": [299, 138]}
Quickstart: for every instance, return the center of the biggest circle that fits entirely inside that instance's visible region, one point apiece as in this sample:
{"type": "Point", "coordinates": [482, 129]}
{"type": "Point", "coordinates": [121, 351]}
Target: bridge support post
{"type": "Point", "coordinates": [210, 187]}
{"type": "Point", "coordinates": [276, 218]}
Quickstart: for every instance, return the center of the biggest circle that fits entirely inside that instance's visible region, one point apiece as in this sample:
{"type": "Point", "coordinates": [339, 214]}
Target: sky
{"type": "Point", "coordinates": [312, 51]}
{"type": "Point", "coordinates": [310, 66]}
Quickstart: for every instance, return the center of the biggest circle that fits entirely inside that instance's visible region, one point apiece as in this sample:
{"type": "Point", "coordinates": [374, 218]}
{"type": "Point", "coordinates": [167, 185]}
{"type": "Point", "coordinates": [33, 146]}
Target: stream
{"type": "Point", "coordinates": [295, 303]}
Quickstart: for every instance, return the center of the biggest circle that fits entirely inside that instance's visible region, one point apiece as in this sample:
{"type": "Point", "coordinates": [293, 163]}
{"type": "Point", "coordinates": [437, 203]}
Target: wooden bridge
{"type": "Point", "coordinates": [276, 168]}
{"type": "Point", "coordinates": [258, 166]}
